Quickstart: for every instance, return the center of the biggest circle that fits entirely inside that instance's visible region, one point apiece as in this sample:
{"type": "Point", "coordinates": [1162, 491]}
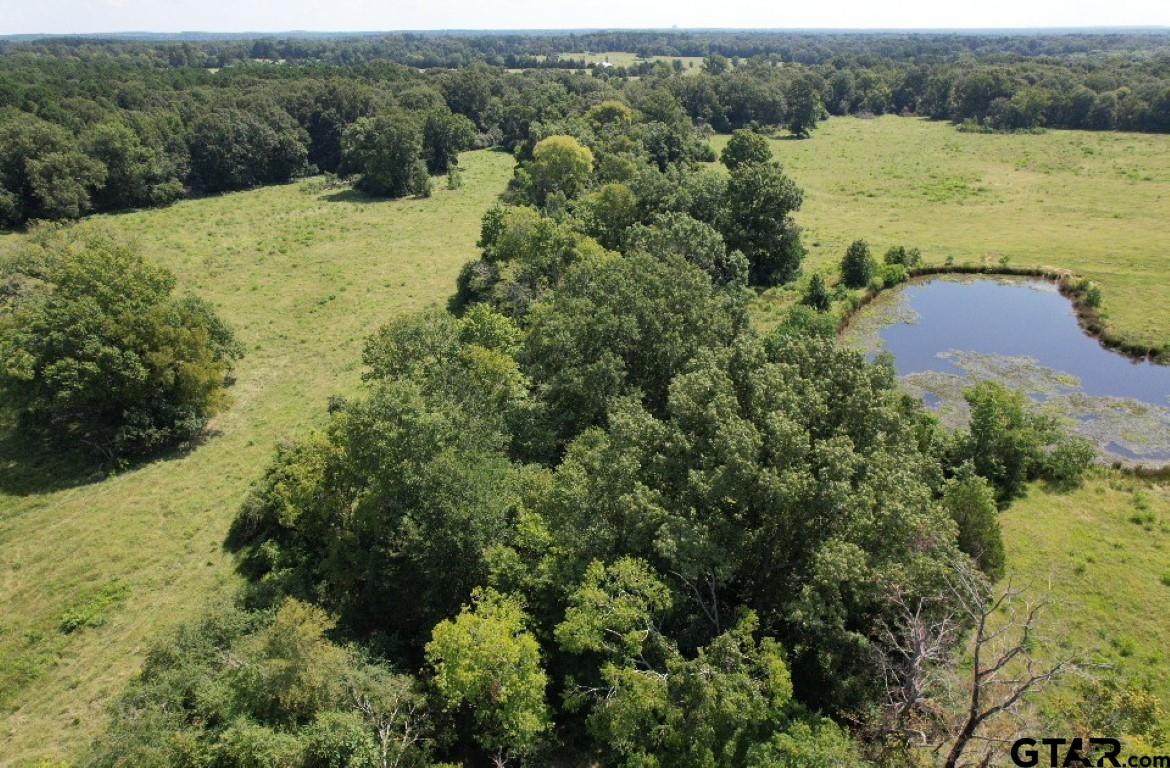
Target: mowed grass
{"type": "Point", "coordinates": [304, 274]}
{"type": "Point", "coordinates": [1097, 203]}
{"type": "Point", "coordinates": [1101, 555]}
{"type": "Point", "coordinates": [692, 65]}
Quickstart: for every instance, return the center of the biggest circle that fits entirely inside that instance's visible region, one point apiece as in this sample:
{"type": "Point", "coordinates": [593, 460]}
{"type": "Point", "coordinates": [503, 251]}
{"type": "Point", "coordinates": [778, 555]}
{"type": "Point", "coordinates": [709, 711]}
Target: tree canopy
{"type": "Point", "coordinates": [97, 352]}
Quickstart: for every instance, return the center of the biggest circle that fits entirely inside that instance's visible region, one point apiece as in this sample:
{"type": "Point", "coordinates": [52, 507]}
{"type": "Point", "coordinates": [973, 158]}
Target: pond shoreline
{"type": "Point", "coordinates": [1072, 286]}
{"type": "Point", "coordinates": [1069, 285]}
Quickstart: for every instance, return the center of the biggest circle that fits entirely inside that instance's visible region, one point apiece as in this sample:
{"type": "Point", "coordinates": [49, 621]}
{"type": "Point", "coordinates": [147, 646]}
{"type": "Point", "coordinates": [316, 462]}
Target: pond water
{"type": "Point", "coordinates": [948, 333]}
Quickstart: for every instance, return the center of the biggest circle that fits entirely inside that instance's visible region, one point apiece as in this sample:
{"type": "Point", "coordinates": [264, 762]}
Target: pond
{"type": "Point", "coordinates": [948, 333]}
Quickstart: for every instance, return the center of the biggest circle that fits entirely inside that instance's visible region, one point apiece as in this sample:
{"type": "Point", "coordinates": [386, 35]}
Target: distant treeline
{"type": "Point", "coordinates": [89, 124]}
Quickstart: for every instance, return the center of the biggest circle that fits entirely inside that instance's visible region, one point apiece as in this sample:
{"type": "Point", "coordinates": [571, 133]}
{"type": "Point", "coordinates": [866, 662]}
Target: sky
{"type": "Point", "coordinates": [86, 16]}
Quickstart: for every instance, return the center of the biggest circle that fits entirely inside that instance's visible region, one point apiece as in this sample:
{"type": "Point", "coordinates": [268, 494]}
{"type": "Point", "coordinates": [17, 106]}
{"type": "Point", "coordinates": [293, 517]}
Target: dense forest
{"type": "Point", "coordinates": [88, 125]}
{"type": "Point", "coordinates": [587, 514]}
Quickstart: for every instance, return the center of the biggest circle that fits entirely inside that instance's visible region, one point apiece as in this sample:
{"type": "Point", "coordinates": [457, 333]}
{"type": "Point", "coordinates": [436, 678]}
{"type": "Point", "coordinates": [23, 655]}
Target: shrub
{"type": "Point", "coordinates": [892, 274]}
{"type": "Point", "coordinates": [92, 612]}
{"type": "Point", "coordinates": [908, 258]}
{"type": "Point", "coordinates": [96, 351]}
{"type": "Point", "coordinates": [1090, 292]}
{"type": "Point", "coordinates": [858, 266]}
{"type": "Point", "coordinates": [817, 295]}
{"type": "Point", "coordinates": [1067, 462]}
{"type": "Point", "coordinates": [454, 178]}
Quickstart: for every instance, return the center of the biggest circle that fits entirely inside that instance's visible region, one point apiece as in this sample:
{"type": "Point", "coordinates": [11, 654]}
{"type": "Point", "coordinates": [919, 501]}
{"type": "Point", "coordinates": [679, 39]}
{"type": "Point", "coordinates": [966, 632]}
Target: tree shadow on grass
{"type": "Point", "coordinates": [29, 467]}
{"type": "Point", "coordinates": [354, 196]}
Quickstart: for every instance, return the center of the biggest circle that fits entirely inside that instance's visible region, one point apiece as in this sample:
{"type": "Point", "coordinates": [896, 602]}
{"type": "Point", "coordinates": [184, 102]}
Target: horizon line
{"type": "Point", "coordinates": [598, 29]}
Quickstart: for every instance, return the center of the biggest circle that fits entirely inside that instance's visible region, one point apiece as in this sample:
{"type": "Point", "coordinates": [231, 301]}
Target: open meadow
{"type": "Point", "coordinates": [304, 273]}
{"type": "Point", "coordinates": [692, 65]}
{"type": "Point", "coordinates": [1097, 203]}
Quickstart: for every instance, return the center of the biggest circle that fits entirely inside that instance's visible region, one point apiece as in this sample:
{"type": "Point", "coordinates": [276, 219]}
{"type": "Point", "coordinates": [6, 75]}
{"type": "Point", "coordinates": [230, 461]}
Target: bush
{"type": "Point", "coordinates": [908, 258]}
{"type": "Point", "coordinates": [1066, 464]}
{"type": "Point", "coordinates": [95, 351]}
{"type": "Point", "coordinates": [817, 295]}
{"type": "Point", "coordinates": [892, 274]}
{"type": "Point", "coordinates": [858, 266]}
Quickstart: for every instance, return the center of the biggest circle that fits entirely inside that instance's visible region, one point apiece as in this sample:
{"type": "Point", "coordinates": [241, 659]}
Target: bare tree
{"type": "Point", "coordinates": [914, 661]}
{"type": "Point", "coordinates": [929, 703]}
{"type": "Point", "coordinates": [394, 710]}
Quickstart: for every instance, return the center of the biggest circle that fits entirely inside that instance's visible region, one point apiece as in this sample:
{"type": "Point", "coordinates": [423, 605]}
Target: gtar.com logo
{"type": "Point", "coordinates": [1056, 753]}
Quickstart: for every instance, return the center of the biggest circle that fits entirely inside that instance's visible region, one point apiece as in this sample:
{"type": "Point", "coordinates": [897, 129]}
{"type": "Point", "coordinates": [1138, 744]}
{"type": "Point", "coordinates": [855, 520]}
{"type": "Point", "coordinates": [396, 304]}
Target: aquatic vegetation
{"type": "Point", "coordinates": [1122, 408]}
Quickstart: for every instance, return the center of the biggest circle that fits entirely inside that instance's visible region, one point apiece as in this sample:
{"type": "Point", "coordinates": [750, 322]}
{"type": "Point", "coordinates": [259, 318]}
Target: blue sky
{"type": "Point", "coordinates": [64, 16]}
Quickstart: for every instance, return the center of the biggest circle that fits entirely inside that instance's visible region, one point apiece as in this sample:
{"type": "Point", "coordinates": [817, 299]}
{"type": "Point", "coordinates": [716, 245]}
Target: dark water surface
{"type": "Point", "coordinates": [1017, 319]}
{"type": "Point", "coordinates": [945, 334]}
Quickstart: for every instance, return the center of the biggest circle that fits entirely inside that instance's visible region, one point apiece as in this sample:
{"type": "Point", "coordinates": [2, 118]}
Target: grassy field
{"type": "Point", "coordinates": [303, 273]}
{"type": "Point", "coordinates": [692, 65]}
{"type": "Point", "coordinates": [1102, 555]}
{"type": "Point", "coordinates": [1096, 203]}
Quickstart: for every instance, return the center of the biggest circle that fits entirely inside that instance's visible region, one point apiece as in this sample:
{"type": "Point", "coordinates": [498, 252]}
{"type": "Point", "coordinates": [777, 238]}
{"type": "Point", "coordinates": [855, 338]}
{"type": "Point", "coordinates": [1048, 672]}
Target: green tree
{"type": "Point", "coordinates": [444, 136]}
{"type": "Point", "coordinates": [745, 146]}
{"type": "Point", "coordinates": [43, 175]}
{"type": "Point", "coordinates": [290, 670]}
{"type": "Point", "coordinates": [684, 712]}
{"type": "Point", "coordinates": [804, 105]}
{"type": "Point", "coordinates": [610, 114]}
{"type": "Point", "coordinates": [817, 294]}
{"type": "Point", "coordinates": [1006, 440]}
{"type": "Point", "coordinates": [62, 183]}
{"type": "Point", "coordinates": [396, 503]}
{"type": "Point", "coordinates": [533, 250]}
{"type": "Point", "coordinates": [339, 740]}
{"type": "Point", "coordinates": [386, 152]}
{"type": "Point", "coordinates": [234, 149]}
{"type": "Point", "coordinates": [970, 500]}
{"type": "Point", "coordinates": [486, 660]}
{"type": "Point", "coordinates": [97, 352]}
{"type": "Point", "coordinates": [757, 220]}
{"type": "Point", "coordinates": [616, 325]}
{"type": "Point", "coordinates": [606, 213]}
{"type": "Point", "coordinates": [783, 475]}
{"type": "Point", "coordinates": [560, 164]}
{"type": "Point", "coordinates": [676, 233]}
{"type": "Point", "coordinates": [715, 64]}
{"type": "Point", "coordinates": [857, 266]}
{"type": "Point", "coordinates": [135, 174]}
